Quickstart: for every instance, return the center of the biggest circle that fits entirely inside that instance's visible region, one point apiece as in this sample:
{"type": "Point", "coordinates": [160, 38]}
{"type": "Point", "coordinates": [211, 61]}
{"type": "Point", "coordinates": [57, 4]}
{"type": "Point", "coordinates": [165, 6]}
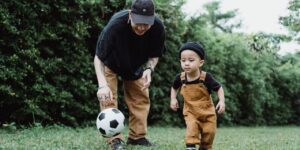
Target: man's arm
{"type": "Point", "coordinates": [152, 62]}
{"type": "Point", "coordinates": [150, 65]}
{"type": "Point", "coordinates": [99, 68]}
{"type": "Point", "coordinates": [104, 93]}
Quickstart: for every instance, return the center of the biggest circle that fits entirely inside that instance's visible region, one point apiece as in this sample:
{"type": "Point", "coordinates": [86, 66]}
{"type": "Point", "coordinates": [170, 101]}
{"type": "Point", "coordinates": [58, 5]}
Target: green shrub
{"type": "Point", "coordinates": [46, 65]}
{"type": "Point", "coordinates": [47, 74]}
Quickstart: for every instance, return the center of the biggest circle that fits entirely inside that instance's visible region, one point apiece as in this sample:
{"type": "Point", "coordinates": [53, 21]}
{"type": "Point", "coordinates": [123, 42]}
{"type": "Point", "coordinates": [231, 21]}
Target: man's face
{"type": "Point", "coordinates": [139, 28]}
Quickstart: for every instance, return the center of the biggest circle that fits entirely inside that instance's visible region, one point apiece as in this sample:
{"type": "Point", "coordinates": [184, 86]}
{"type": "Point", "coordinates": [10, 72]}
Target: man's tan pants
{"type": "Point", "coordinates": [137, 100]}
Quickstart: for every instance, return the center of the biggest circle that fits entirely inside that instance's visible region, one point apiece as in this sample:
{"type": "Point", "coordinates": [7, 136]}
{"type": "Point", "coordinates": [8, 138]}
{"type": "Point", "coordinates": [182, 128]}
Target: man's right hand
{"type": "Point", "coordinates": [105, 95]}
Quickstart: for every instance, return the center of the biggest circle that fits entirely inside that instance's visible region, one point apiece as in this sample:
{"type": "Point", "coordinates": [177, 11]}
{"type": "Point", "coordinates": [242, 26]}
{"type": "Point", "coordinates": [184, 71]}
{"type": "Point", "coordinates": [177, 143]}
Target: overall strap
{"type": "Point", "coordinates": [202, 76]}
{"type": "Point", "coordinates": [182, 78]}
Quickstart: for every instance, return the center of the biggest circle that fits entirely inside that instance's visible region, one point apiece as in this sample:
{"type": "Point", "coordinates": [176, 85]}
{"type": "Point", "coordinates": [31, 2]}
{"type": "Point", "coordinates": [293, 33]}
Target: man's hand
{"type": "Point", "coordinates": [150, 65]}
{"type": "Point", "coordinates": [105, 95]}
{"type": "Point", "coordinates": [147, 78]}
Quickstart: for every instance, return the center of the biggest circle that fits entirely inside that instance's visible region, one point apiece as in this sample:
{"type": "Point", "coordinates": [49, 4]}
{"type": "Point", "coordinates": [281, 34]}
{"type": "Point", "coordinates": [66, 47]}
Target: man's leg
{"type": "Point", "coordinates": [138, 103]}
{"type": "Point", "coordinates": [112, 82]}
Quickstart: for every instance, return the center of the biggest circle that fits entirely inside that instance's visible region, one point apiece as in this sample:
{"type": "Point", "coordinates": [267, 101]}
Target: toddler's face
{"type": "Point", "coordinates": [190, 61]}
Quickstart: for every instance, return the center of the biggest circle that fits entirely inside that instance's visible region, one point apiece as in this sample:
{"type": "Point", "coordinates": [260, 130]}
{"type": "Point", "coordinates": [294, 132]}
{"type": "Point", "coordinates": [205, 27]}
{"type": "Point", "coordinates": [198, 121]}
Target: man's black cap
{"type": "Point", "coordinates": [142, 11]}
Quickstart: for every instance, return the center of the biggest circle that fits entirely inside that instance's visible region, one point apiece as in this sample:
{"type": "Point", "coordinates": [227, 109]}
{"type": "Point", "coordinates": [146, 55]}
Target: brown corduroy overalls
{"type": "Point", "coordinates": [137, 100]}
{"type": "Point", "coordinates": [199, 113]}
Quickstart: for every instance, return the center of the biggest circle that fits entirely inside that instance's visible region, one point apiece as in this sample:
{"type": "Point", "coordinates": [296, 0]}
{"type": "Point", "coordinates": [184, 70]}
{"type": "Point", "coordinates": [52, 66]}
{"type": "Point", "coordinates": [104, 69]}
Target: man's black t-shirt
{"type": "Point", "coordinates": [124, 52]}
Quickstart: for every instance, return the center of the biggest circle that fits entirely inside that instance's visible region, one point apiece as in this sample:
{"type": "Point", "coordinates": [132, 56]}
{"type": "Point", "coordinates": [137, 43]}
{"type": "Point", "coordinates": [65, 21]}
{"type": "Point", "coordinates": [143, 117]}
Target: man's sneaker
{"type": "Point", "coordinates": [117, 144]}
{"type": "Point", "coordinates": [141, 141]}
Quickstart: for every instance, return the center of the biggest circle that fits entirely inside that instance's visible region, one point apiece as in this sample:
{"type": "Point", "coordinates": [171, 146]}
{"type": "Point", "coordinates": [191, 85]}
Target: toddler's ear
{"type": "Point", "coordinates": [202, 62]}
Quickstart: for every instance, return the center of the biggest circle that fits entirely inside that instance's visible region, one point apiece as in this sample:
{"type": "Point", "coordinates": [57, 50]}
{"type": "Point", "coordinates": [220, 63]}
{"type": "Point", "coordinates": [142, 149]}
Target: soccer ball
{"type": "Point", "coordinates": [110, 122]}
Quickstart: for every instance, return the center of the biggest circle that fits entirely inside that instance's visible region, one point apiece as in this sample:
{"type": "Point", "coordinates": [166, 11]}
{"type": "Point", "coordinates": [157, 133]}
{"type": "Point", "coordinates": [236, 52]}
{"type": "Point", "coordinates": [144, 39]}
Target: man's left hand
{"type": "Point", "coordinates": [147, 78]}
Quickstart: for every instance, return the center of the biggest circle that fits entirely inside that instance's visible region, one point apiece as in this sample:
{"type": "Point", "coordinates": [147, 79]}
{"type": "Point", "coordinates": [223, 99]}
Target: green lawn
{"type": "Point", "coordinates": [166, 138]}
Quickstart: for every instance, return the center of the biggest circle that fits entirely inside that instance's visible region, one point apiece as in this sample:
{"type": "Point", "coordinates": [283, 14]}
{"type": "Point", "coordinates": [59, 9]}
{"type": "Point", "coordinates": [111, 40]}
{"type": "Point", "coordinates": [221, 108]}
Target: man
{"type": "Point", "coordinates": [129, 46]}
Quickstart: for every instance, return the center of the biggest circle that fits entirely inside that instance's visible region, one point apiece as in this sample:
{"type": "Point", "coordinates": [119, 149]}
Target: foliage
{"type": "Point", "coordinates": [287, 82]}
{"type": "Point", "coordinates": [220, 20]}
{"type": "Point", "coordinates": [292, 20]}
{"type": "Point", "coordinates": [47, 73]}
{"type": "Point", "coordinates": [46, 70]}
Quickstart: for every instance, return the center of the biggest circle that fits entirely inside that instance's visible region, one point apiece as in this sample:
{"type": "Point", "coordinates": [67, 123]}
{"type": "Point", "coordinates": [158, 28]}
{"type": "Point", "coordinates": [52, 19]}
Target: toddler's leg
{"type": "Point", "coordinates": [208, 133]}
{"type": "Point", "coordinates": [192, 130]}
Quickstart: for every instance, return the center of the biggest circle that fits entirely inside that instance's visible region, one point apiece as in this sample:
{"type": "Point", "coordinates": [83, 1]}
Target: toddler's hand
{"type": "Point", "coordinates": [220, 107]}
{"type": "Point", "coordinates": [174, 104]}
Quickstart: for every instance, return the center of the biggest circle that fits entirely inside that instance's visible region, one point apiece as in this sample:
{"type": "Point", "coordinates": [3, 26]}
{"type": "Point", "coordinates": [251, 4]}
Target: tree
{"type": "Point", "coordinates": [220, 20]}
{"type": "Point", "coordinates": [292, 20]}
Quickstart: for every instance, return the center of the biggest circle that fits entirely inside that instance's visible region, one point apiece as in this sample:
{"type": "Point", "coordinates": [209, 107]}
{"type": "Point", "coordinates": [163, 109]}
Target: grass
{"type": "Point", "coordinates": [166, 138]}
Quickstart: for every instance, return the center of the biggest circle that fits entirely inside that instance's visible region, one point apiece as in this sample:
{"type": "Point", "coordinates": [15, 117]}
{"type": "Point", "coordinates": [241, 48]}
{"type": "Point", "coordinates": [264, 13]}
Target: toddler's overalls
{"type": "Point", "coordinates": [199, 113]}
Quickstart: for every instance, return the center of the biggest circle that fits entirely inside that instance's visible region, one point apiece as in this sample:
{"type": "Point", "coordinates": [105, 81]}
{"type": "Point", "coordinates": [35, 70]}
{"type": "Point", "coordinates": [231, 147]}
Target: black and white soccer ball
{"type": "Point", "coordinates": [110, 122]}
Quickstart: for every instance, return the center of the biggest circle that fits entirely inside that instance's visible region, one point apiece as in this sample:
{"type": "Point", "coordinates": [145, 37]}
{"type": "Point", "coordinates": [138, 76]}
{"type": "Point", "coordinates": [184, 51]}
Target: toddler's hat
{"type": "Point", "coordinates": [194, 47]}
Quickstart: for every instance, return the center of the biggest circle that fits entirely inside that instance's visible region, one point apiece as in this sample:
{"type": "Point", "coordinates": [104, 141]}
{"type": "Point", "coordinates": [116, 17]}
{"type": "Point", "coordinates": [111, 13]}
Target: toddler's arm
{"type": "Point", "coordinates": [221, 104]}
{"type": "Point", "coordinates": [174, 102]}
